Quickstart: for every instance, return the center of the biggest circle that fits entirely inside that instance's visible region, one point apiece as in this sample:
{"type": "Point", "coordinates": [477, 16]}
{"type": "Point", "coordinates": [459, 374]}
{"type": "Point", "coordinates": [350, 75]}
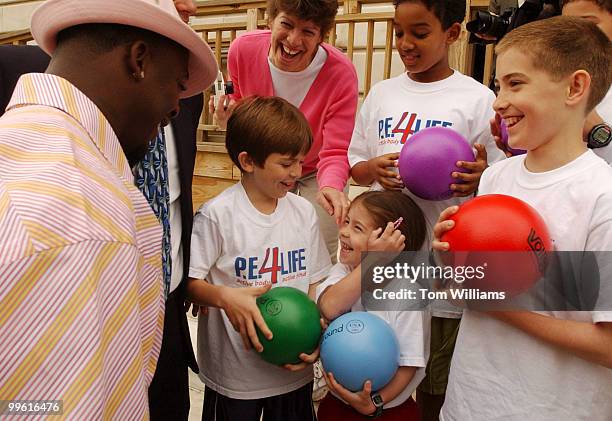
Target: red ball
{"type": "Point", "coordinates": [503, 224]}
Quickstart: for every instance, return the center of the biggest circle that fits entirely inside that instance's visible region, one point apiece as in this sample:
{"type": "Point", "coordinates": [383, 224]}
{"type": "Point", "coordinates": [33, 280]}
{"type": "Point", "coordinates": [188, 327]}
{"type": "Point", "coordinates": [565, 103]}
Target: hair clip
{"type": "Point", "coordinates": [398, 222]}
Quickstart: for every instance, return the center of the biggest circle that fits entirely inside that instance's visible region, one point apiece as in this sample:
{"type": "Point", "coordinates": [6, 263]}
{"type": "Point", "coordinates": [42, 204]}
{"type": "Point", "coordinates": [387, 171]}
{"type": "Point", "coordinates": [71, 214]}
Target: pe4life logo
{"type": "Point", "coordinates": [408, 125]}
{"type": "Point", "coordinates": [275, 262]}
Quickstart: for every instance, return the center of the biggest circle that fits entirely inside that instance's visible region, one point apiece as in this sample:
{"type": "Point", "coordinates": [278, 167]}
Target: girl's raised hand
{"type": "Point", "coordinates": [391, 239]}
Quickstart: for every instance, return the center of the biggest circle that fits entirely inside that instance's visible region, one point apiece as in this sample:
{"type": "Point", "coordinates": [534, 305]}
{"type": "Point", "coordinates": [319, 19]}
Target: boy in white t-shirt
{"type": "Point", "coordinates": [430, 93]}
{"type": "Point", "coordinates": [254, 235]}
{"type": "Point", "coordinates": [553, 365]}
{"type": "Point", "coordinates": [599, 121]}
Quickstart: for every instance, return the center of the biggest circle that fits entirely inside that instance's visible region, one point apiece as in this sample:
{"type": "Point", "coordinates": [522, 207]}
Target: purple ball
{"type": "Point", "coordinates": [428, 159]}
{"type": "Point", "coordinates": [504, 139]}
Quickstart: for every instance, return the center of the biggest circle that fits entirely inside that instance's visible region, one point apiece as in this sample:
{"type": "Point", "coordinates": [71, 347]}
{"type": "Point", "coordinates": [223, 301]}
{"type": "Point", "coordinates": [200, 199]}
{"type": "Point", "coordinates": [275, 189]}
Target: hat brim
{"type": "Point", "coordinates": [55, 15]}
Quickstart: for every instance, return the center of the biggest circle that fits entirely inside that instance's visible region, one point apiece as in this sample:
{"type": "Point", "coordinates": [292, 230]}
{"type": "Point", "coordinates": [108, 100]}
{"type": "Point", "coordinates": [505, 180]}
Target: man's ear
{"type": "Point", "coordinates": [453, 33]}
{"type": "Point", "coordinates": [246, 162]}
{"type": "Point", "coordinates": [137, 55]}
{"type": "Point", "coordinates": [578, 88]}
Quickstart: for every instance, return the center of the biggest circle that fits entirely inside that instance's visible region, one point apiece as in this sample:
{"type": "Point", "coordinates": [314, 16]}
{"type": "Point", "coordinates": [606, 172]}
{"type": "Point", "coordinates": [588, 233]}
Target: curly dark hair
{"type": "Point", "coordinates": [448, 12]}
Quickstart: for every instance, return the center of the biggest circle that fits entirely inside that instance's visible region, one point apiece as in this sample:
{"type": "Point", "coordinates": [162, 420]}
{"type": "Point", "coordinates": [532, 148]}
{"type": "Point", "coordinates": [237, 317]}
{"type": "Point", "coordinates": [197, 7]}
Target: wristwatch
{"type": "Point", "coordinates": [377, 400]}
{"type": "Point", "coordinates": [599, 136]}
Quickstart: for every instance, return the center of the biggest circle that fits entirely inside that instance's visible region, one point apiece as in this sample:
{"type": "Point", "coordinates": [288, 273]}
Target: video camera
{"type": "Point", "coordinates": [491, 25]}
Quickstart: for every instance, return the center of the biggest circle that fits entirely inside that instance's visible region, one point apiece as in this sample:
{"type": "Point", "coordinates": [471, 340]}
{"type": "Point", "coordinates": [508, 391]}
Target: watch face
{"type": "Point", "coordinates": [377, 399]}
{"type": "Point", "coordinates": [601, 135]}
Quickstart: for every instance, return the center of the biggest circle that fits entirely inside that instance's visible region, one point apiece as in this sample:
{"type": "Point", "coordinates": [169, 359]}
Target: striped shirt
{"type": "Point", "coordinates": [81, 294]}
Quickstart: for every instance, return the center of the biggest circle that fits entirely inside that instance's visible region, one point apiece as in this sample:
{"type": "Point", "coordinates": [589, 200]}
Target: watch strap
{"type": "Point", "coordinates": [378, 403]}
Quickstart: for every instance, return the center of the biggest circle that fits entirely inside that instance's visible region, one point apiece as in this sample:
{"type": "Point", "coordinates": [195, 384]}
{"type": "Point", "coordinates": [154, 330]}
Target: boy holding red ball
{"type": "Point", "coordinates": [429, 94]}
{"type": "Point", "coordinates": [545, 365]}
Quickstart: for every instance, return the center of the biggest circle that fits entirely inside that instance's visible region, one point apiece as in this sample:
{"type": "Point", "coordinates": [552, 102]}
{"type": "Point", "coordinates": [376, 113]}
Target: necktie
{"type": "Point", "coordinates": [151, 177]}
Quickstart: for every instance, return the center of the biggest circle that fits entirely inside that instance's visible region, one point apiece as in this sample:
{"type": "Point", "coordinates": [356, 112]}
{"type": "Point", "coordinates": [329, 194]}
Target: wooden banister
{"type": "Point", "coordinates": [214, 169]}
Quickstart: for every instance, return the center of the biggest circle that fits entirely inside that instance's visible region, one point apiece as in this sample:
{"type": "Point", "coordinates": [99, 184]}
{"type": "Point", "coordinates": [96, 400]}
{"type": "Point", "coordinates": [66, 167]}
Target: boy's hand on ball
{"type": "Point", "coordinates": [470, 179]}
{"type": "Point", "coordinates": [443, 225]}
{"type": "Point", "coordinates": [359, 401]}
{"type": "Point", "coordinates": [379, 168]}
{"type": "Point", "coordinates": [308, 359]}
{"type": "Point", "coordinates": [242, 311]}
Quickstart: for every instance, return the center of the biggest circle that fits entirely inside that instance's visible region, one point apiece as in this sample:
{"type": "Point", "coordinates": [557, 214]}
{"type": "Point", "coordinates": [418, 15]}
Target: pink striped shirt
{"type": "Point", "coordinates": [81, 296]}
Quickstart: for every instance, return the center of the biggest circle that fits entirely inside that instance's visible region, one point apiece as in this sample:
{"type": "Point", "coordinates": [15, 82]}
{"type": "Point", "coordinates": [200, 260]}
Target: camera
{"type": "Point", "coordinates": [494, 26]}
{"type": "Point", "coordinates": [222, 87]}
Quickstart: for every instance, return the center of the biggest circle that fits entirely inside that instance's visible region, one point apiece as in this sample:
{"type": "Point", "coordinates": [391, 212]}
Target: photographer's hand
{"type": "Point", "coordinates": [224, 110]}
{"type": "Point", "coordinates": [495, 124]}
{"type": "Point", "coordinates": [486, 37]}
{"type": "Point", "coordinates": [470, 179]}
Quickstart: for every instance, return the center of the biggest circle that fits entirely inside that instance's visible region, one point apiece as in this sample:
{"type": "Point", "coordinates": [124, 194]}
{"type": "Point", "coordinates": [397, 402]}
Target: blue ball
{"type": "Point", "coordinates": [360, 346]}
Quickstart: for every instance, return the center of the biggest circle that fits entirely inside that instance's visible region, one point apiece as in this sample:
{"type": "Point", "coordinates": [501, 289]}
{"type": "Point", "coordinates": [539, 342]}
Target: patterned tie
{"type": "Point", "coordinates": [151, 177]}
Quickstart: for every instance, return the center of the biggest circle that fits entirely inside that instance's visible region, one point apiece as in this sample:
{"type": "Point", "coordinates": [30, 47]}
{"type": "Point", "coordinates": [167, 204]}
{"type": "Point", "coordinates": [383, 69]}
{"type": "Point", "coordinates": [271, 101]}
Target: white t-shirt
{"type": "Point", "coordinates": [174, 211]}
{"type": "Point", "coordinates": [411, 329]}
{"type": "Point", "coordinates": [604, 109]}
{"type": "Point", "coordinates": [293, 86]}
{"type": "Point", "coordinates": [235, 245]}
{"type": "Point", "coordinates": [499, 372]}
{"type": "Point", "coordinates": [400, 104]}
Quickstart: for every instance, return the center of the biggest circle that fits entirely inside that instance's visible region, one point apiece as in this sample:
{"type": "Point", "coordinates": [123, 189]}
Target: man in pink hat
{"type": "Point", "coordinates": [80, 269]}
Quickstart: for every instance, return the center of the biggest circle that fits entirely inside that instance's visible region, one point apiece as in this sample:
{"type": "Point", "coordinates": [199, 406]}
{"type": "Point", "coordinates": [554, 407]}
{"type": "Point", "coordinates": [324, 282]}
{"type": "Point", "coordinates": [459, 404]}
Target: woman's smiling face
{"type": "Point", "coordinates": [294, 42]}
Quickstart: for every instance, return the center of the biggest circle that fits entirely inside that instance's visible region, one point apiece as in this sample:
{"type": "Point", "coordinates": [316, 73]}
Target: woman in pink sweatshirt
{"type": "Point", "coordinates": [291, 61]}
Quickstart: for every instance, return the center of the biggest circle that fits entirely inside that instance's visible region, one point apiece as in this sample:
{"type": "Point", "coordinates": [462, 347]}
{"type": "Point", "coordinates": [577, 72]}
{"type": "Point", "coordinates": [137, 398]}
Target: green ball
{"type": "Point", "coordinates": [293, 319]}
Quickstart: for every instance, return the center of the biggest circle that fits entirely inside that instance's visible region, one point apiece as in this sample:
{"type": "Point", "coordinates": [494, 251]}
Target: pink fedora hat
{"type": "Point", "coordinates": [158, 16]}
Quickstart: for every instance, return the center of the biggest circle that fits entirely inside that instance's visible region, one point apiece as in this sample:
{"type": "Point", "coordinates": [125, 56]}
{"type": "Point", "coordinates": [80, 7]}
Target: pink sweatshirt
{"type": "Point", "coordinates": [329, 106]}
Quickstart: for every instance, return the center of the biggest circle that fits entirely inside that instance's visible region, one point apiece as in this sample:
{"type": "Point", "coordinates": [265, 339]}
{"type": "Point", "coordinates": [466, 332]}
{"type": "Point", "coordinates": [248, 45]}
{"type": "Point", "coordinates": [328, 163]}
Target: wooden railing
{"type": "Point", "coordinates": [16, 37]}
{"type": "Point", "coordinates": [214, 170]}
